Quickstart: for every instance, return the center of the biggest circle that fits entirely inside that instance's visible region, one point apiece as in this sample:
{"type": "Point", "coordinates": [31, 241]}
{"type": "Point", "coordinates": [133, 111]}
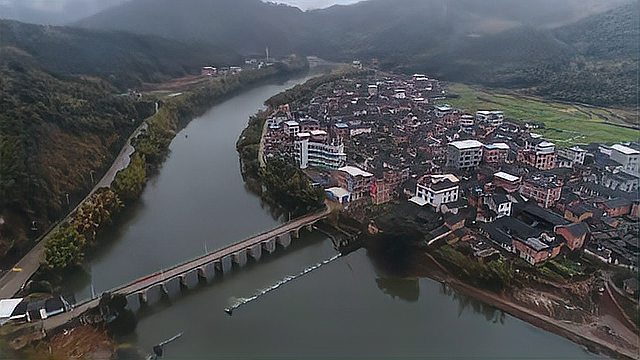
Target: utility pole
{"type": "Point", "coordinates": [67, 195]}
{"type": "Point", "coordinates": [91, 174]}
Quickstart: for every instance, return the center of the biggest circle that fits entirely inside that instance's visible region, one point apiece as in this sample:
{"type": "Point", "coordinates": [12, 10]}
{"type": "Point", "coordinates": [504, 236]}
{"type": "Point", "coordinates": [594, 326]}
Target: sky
{"type": "Point", "coordinates": [59, 12]}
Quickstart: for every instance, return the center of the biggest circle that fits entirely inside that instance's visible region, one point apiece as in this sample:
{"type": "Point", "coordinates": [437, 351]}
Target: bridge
{"type": "Point", "coordinates": [170, 282]}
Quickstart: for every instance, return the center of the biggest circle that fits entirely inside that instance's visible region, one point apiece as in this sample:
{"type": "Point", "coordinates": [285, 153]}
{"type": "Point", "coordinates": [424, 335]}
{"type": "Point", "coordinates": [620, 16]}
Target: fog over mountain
{"type": "Point", "coordinates": [58, 12]}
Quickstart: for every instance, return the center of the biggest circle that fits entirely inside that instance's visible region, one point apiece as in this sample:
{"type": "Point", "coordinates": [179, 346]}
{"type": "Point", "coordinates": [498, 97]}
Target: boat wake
{"type": "Point", "coordinates": [238, 302]}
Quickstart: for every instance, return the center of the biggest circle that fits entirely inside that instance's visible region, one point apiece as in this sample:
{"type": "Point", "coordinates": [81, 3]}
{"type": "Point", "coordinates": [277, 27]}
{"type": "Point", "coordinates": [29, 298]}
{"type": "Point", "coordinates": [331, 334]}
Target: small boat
{"type": "Point", "coordinates": [228, 311]}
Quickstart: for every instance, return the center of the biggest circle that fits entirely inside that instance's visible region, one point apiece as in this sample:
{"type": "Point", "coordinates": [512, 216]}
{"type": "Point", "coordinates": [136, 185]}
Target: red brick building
{"type": "Point", "coordinates": [541, 155]}
{"type": "Point", "coordinates": [508, 182]}
{"type": "Point", "coordinates": [544, 189]}
{"type": "Point", "coordinates": [573, 234]}
{"type": "Point", "coordinates": [495, 153]}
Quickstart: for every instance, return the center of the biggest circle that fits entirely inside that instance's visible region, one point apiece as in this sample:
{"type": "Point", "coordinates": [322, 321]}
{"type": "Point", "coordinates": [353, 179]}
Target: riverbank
{"type": "Point", "coordinates": [567, 311]}
{"type": "Point", "coordinates": [176, 112]}
{"type": "Point", "coordinates": [592, 335]}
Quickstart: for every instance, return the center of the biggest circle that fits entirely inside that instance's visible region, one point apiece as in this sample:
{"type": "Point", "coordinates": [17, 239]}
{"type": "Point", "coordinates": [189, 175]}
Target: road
{"type": "Point", "coordinates": [12, 281]}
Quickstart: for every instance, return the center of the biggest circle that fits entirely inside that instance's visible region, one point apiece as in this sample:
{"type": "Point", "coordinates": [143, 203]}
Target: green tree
{"type": "Point", "coordinates": [129, 182]}
{"type": "Point", "coordinates": [64, 248]}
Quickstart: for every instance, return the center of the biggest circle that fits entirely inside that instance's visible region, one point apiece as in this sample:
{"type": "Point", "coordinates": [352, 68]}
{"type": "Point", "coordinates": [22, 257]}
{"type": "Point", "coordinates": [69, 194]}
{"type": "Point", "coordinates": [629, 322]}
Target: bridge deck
{"type": "Point", "coordinates": [185, 267]}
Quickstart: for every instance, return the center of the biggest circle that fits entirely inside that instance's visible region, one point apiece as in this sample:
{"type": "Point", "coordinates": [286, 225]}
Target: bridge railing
{"type": "Point", "coordinates": [325, 211]}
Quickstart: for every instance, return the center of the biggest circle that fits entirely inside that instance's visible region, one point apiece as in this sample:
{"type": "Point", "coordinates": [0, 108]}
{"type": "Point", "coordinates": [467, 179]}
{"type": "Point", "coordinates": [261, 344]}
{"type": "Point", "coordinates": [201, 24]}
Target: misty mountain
{"type": "Point", "coordinates": [504, 43]}
{"type": "Point", "coordinates": [247, 26]}
{"type": "Point", "coordinates": [252, 25]}
{"type": "Point", "coordinates": [124, 59]}
{"type": "Point", "coordinates": [59, 12]}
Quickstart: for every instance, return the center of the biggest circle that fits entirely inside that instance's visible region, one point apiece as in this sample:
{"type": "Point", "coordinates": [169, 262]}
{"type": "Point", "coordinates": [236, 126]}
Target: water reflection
{"type": "Point", "coordinates": [465, 302]}
{"type": "Point", "coordinates": [403, 289]}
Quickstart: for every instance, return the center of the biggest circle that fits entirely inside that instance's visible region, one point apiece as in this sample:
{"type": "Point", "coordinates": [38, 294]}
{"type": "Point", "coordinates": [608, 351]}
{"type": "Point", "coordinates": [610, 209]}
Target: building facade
{"type": "Point", "coordinates": [436, 190]}
{"type": "Point", "coordinates": [465, 154]}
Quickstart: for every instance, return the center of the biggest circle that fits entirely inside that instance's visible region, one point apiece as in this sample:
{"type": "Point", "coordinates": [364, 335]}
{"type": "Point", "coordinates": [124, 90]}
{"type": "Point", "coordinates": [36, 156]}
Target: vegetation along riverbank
{"type": "Point", "coordinates": [67, 244]}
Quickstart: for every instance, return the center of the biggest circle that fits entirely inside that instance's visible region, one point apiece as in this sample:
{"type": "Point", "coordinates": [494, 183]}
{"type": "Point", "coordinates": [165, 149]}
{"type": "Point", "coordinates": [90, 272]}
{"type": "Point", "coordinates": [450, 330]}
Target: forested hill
{"type": "Point", "coordinates": [575, 50]}
{"type": "Point", "coordinates": [123, 59]}
{"type": "Point", "coordinates": [62, 118]}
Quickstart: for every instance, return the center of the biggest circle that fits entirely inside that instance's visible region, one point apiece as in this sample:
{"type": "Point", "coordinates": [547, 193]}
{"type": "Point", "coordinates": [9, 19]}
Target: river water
{"type": "Point", "coordinates": [344, 309]}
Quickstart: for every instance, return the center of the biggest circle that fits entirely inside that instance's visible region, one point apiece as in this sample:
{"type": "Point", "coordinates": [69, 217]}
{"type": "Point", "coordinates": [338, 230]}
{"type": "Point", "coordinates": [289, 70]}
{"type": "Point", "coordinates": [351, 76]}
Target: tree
{"type": "Point", "coordinates": [129, 182]}
{"type": "Point", "coordinates": [64, 248]}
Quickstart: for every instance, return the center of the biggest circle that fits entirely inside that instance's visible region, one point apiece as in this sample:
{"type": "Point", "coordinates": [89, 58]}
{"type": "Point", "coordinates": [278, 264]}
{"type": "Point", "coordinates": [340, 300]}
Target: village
{"type": "Point", "coordinates": [374, 138]}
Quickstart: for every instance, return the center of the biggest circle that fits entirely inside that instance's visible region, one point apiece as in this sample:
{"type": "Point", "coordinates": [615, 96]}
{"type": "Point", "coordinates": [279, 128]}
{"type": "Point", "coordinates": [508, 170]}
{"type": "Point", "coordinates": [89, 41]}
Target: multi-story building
{"type": "Point", "coordinates": [466, 122]}
{"type": "Point", "coordinates": [436, 190]}
{"type": "Point", "coordinates": [508, 182]}
{"type": "Point", "coordinates": [627, 157]}
{"type": "Point", "coordinates": [539, 154]}
{"type": "Point", "coordinates": [315, 152]}
{"type": "Point", "coordinates": [545, 189]}
{"type": "Point", "coordinates": [383, 190]}
{"type": "Point", "coordinates": [495, 153]}
{"type": "Point", "coordinates": [355, 180]}
{"type": "Point", "coordinates": [291, 128]}
{"type": "Point", "coordinates": [574, 154]}
{"type": "Point", "coordinates": [464, 154]}
{"type": "Point", "coordinates": [490, 117]}
{"type": "Point", "coordinates": [499, 204]}
{"type": "Point", "coordinates": [442, 110]}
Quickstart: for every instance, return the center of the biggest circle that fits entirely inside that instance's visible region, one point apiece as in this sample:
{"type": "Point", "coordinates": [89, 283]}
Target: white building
{"type": "Point", "coordinates": [400, 94]}
{"type": "Point", "coordinates": [574, 154]}
{"type": "Point", "coordinates": [499, 204]}
{"type": "Point", "coordinates": [318, 154]}
{"type": "Point", "coordinates": [627, 157]}
{"type": "Point", "coordinates": [442, 110]}
{"type": "Point", "coordinates": [373, 90]}
{"type": "Point", "coordinates": [490, 117]}
{"type": "Point", "coordinates": [464, 154]}
{"type": "Point", "coordinates": [291, 127]}
{"type": "Point", "coordinates": [436, 190]}
{"type": "Point", "coordinates": [467, 121]}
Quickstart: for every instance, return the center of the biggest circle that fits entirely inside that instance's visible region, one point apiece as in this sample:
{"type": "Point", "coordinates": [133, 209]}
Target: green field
{"type": "Point", "coordinates": [565, 124]}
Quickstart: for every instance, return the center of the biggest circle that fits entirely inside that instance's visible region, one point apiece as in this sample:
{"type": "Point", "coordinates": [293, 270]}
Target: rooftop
{"type": "Point", "coordinates": [625, 150]}
{"type": "Point", "coordinates": [466, 144]}
{"type": "Point", "coordinates": [497, 146]}
{"type": "Point", "coordinates": [355, 171]}
{"type": "Point", "coordinates": [504, 176]}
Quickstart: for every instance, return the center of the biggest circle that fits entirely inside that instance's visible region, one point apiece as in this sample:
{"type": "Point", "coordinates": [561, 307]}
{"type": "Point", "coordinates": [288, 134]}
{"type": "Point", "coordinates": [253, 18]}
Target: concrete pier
{"type": "Point", "coordinates": [226, 263]}
{"type": "Point", "coordinates": [171, 288]}
{"type": "Point", "coordinates": [134, 302]}
{"type": "Point", "coordinates": [269, 245]}
{"type": "Point", "coordinates": [153, 295]}
{"type": "Point", "coordinates": [207, 272]}
{"type": "Point", "coordinates": [190, 280]}
{"type": "Point", "coordinates": [284, 240]}
{"type": "Point", "coordinates": [255, 252]}
{"type": "Point", "coordinates": [240, 258]}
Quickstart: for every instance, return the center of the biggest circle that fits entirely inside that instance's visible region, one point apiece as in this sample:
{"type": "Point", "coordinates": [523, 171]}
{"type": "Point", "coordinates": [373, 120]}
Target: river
{"type": "Point", "coordinates": [344, 309]}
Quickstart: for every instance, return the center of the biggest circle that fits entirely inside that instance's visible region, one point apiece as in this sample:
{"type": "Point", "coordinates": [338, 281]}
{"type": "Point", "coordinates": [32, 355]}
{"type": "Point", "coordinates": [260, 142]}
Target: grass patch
{"type": "Point", "coordinates": [565, 124]}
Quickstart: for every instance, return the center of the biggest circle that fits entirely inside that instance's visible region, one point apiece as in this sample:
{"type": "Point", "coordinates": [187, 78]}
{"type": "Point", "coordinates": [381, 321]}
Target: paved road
{"type": "Point", "coordinates": [185, 267]}
{"type": "Point", "coordinates": [12, 281]}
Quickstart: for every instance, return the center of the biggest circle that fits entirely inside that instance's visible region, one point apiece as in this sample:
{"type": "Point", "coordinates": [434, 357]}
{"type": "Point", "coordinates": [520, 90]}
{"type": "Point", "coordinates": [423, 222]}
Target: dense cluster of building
{"type": "Point", "coordinates": [374, 138]}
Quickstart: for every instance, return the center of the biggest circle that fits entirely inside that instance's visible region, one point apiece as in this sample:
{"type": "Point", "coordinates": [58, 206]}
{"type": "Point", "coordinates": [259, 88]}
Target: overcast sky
{"type": "Point", "coordinates": [58, 12]}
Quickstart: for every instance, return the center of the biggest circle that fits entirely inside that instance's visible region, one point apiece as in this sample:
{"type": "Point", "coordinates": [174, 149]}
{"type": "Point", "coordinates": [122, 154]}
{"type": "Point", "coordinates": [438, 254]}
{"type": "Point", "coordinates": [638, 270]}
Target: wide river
{"type": "Point", "coordinates": [345, 309]}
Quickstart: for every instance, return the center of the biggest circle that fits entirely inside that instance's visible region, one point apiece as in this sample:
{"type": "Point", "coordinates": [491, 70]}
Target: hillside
{"type": "Point", "coordinates": [124, 59]}
{"type": "Point", "coordinates": [62, 117]}
{"type": "Point", "coordinates": [244, 25]}
{"type": "Point", "coordinates": [558, 49]}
